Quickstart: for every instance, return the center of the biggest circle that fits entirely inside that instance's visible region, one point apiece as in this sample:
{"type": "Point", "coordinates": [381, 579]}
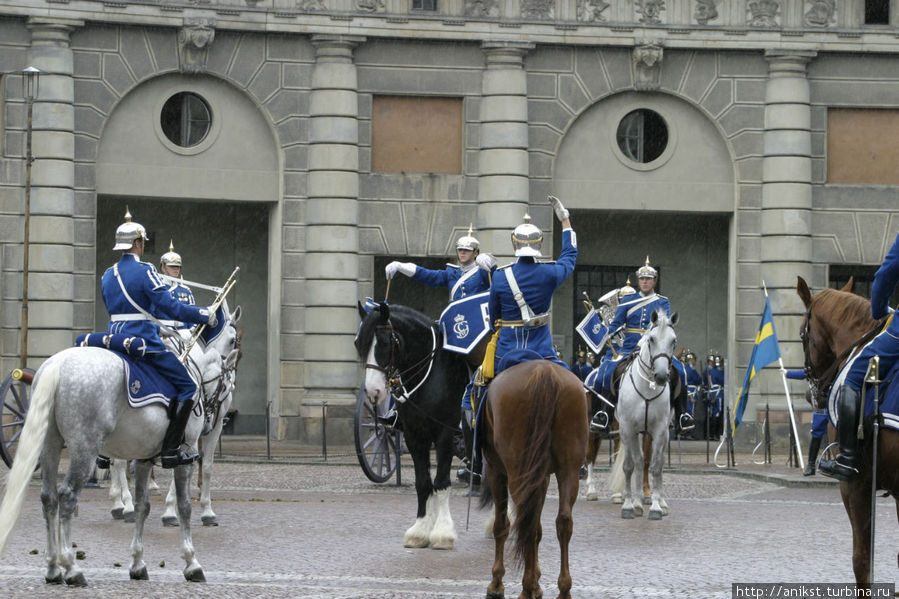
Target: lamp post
{"type": "Point", "coordinates": [30, 86]}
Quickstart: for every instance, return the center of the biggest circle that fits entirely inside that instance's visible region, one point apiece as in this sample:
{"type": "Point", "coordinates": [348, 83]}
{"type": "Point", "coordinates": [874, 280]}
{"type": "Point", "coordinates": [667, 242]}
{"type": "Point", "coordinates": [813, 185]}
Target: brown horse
{"type": "Point", "coordinates": [835, 322]}
{"type": "Point", "coordinates": [534, 425]}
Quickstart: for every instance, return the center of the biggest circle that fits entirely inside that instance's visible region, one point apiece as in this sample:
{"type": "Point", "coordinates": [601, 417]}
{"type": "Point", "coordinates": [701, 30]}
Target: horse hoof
{"type": "Point", "coordinates": [76, 581]}
{"type": "Point", "coordinates": [592, 497]}
{"type": "Point", "coordinates": [638, 509]}
{"type": "Point", "coordinates": [446, 543]}
{"type": "Point", "coordinates": [169, 521]}
{"type": "Point", "coordinates": [210, 521]}
{"type": "Point", "coordinates": [118, 513]}
{"type": "Point", "coordinates": [647, 500]}
{"type": "Point", "coordinates": [497, 595]}
{"type": "Point", "coordinates": [195, 576]}
{"type": "Point", "coordinates": [655, 514]}
{"type": "Point", "coordinates": [617, 498]}
{"type": "Point", "coordinates": [627, 513]}
{"type": "Point", "coordinates": [58, 579]}
{"type": "Point", "coordinates": [130, 517]}
{"type": "Point", "coordinates": [140, 574]}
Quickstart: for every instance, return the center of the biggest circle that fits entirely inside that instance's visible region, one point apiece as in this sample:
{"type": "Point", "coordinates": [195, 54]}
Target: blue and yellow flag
{"type": "Point", "coordinates": [765, 351]}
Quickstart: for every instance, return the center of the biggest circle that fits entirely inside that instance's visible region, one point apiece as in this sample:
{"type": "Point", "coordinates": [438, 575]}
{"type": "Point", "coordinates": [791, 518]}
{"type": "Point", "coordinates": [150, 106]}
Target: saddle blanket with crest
{"type": "Point", "coordinates": [145, 386]}
{"type": "Point", "coordinates": [889, 398]}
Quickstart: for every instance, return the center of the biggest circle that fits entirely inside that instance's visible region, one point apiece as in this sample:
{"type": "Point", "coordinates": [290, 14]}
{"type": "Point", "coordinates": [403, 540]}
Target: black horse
{"type": "Point", "coordinates": [403, 355]}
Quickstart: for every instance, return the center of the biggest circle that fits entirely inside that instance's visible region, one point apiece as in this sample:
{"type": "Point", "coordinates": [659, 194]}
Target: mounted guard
{"type": "Point", "coordinates": [464, 322]}
{"type": "Point", "coordinates": [170, 265]}
{"type": "Point", "coordinates": [136, 298]}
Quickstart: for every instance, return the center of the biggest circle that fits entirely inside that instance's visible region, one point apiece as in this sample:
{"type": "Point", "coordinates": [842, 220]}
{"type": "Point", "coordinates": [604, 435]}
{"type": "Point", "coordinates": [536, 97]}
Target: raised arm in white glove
{"type": "Point", "coordinates": [561, 211]}
{"type": "Point", "coordinates": [486, 262]}
{"type": "Point", "coordinates": [407, 268]}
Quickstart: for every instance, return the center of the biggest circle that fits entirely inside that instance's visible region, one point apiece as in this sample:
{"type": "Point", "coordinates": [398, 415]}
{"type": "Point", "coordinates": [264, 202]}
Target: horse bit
{"type": "Point", "coordinates": [393, 373]}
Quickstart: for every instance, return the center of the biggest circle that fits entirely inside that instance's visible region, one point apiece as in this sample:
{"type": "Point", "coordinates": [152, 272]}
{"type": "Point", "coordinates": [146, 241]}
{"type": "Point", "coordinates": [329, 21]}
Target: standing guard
{"type": "Point", "coordinates": [694, 381]}
{"type": "Point", "coordinates": [714, 381]}
{"type": "Point", "coordinates": [136, 298]}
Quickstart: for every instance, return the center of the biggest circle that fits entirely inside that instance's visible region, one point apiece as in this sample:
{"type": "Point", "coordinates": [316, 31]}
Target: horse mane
{"type": "Point", "coordinates": [846, 310]}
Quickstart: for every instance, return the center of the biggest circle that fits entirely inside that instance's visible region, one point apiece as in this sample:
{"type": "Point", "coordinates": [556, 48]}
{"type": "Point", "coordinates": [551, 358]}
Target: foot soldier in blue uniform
{"type": "Point", "coordinates": [580, 366]}
{"type": "Point", "coordinates": [170, 265]}
{"type": "Point", "coordinates": [885, 345]}
{"type": "Point", "coordinates": [694, 381]}
{"type": "Point", "coordinates": [521, 295]}
{"type": "Point", "coordinates": [714, 393]}
{"type": "Point", "coordinates": [632, 317]}
{"type": "Point", "coordinates": [471, 276]}
{"type": "Point", "coordinates": [136, 298]}
{"type": "Point", "coordinates": [819, 423]}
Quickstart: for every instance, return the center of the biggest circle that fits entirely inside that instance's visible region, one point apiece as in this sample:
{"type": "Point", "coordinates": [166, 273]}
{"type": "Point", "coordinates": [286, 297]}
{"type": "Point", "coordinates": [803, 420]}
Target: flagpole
{"type": "Point", "coordinates": [783, 377]}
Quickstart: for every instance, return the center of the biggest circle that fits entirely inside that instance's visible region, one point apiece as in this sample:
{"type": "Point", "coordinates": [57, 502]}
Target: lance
{"type": "Point", "coordinates": [232, 280]}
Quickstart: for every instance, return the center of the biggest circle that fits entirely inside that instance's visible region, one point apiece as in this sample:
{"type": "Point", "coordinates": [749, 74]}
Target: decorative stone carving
{"type": "Point", "coordinates": [590, 11]}
{"type": "Point", "coordinates": [538, 9]}
{"type": "Point", "coordinates": [763, 13]}
{"type": "Point", "coordinates": [194, 39]}
{"type": "Point", "coordinates": [647, 64]}
{"type": "Point", "coordinates": [370, 5]}
{"type": "Point", "coordinates": [820, 13]}
{"type": "Point", "coordinates": [650, 11]}
{"type": "Point", "coordinates": [481, 8]}
{"type": "Point", "coordinates": [705, 11]}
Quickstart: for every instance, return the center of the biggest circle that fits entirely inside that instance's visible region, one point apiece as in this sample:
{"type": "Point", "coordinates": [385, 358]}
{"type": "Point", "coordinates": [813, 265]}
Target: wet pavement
{"type": "Point", "coordinates": [298, 525]}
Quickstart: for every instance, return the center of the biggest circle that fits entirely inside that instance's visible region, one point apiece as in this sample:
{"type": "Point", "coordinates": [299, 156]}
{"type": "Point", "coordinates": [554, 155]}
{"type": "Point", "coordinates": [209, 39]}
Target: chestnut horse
{"type": "Point", "coordinates": [534, 425]}
{"type": "Point", "coordinates": [836, 321]}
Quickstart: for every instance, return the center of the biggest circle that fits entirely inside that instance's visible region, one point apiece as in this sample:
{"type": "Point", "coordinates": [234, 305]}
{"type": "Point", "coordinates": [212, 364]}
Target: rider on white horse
{"type": "Point", "coordinates": [633, 319]}
{"type": "Point", "coordinates": [170, 265]}
{"type": "Point", "coordinates": [135, 298]}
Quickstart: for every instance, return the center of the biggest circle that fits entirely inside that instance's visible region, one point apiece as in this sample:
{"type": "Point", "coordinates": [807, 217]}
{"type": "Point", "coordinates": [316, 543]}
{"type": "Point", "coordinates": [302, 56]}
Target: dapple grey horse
{"type": "Point", "coordinates": [79, 400]}
{"type": "Point", "coordinates": [643, 407]}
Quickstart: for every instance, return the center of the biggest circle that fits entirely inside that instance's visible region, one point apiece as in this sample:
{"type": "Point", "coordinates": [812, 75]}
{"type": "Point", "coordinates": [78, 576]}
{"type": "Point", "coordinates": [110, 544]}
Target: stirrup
{"type": "Point", "coordinates": [689, 420]}
{"type": "Point", "coordinates": [390, 418]}
{"type": "Point", "coordinates": [599, 422]}
{"type": "Point", "coordinates": [179, 458]}
{"type": "Point", "coordinates": [836, 469]}
{"type": "Point", "coordinates": [103, 462]}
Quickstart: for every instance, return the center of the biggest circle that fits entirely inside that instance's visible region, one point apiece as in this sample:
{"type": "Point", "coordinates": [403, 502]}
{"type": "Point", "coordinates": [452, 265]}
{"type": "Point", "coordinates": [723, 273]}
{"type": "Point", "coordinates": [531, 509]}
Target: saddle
{"type": "Point", "coordinates": [621, 368]}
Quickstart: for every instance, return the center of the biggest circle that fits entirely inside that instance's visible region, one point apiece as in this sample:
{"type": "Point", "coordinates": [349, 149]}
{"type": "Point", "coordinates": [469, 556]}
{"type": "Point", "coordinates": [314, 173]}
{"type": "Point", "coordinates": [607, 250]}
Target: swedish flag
{"type": "Point", "coordinates": [765, 351]}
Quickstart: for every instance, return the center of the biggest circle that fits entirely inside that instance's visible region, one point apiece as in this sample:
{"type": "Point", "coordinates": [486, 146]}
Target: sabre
{"type": "Point", "coordinates": [232, 280]}
{"type": "Point", "coordinates": [387, 293]}
{"type": "Point", "coordinates": [872, 377]}
{"type": "Point", "coordinates": [179, 281]}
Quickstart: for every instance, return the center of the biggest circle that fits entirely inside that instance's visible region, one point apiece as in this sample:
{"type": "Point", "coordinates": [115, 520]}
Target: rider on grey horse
{"type": "Point", "coordinates": [170, 265]}
{"type": "Point", "coordinates": [135, 298]}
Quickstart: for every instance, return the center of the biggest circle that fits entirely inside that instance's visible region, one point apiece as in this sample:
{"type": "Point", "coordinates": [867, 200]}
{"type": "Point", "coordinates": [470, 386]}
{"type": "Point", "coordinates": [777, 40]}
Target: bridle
{"type": "Point", "coordinates": [645, 369]}
{"type": "Point", "coordinates": [210, 403]}
{"type": "Point", "coordinates": [392, 371]}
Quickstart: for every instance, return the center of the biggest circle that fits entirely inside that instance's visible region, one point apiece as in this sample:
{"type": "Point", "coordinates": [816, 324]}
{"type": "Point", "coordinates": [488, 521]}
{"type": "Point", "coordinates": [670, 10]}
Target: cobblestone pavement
{"type": "Point", "coordinates": [319, 529]}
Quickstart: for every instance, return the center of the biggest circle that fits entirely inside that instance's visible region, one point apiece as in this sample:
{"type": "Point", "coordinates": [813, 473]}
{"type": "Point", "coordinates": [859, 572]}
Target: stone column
{"type": "Point", "coordinates": [332, 217]}
{"type": "Point", "coordinates": [503, 157]}
{"type": "Point", "coordinates": [786, 218]}
{"type": "Point", "coordinates": [51, 255]}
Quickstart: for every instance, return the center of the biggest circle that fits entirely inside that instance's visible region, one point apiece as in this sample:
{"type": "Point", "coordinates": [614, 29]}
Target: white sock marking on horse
{"type": "Point", "coordinates": [443, 535]}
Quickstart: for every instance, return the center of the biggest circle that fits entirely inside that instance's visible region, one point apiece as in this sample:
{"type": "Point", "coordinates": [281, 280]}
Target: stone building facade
{"type": "Point", "coordinates": [311, 141]}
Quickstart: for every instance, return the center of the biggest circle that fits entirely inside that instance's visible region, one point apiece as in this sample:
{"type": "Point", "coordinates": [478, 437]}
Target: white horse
{"type": "Point", "coordinates": [644, 407]}
{"type": "Point", "coordinates": [225, 342]}
{"type": "Point", "coordinates": [79, 400]}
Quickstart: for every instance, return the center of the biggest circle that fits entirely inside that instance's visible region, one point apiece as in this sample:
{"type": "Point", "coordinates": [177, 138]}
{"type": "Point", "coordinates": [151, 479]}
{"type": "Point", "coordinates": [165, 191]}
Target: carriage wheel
{"type": "Point", "coordinates": [15, 394]}
{"type": "Point", "coordinates": [376, 443]}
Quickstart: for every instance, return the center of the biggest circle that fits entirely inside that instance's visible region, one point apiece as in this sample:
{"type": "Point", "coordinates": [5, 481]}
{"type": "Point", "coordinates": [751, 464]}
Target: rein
{"type": "Point", "coordinates": [395, 375]}
{"type": "Point", "coordinates": [645, 368]}
{"type": "Point", "coordinates": [822, 383]}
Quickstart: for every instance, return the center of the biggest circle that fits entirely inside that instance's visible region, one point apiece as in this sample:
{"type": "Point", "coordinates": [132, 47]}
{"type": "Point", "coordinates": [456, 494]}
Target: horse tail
{"type": "Point", "coordinates": [616, 476]}
{"type": "Point", "coordinates": [545, 386]}
{"type": "Point", "coordinates": [31, 442]}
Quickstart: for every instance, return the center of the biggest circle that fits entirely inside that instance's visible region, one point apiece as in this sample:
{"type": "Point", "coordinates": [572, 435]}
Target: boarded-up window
{"type": "Point", "coordinates": [416, 135]}
{"type": "Point", "coordinates": [863, 146]}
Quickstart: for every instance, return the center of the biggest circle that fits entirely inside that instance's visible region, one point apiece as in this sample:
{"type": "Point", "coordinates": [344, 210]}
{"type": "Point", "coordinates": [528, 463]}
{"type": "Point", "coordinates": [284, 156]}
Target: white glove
{"type": "Point", "coordinates": [407, 268]}
{"type": "Point", "coordinates": [561, 211]}
{"type": "Point", "coordinates": [486, 262]}
{"type": "Point", "coordinates": [213, 320]}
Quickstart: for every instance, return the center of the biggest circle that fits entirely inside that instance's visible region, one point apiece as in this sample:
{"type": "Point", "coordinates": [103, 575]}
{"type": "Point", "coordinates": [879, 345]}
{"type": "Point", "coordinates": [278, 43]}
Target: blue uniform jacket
{"type": "Point", "coordinates": [634, 313]}
{"type": "Point", "coordinates": [694, 380]}
{"type": "Point", "coordinates": [537, 281]}
{"type": "Point", "coordinates": [473, 279]}
{"type": "Point", "coordinates": [150, 293]}
{"type": "Point", "coordinates": [183, 294]}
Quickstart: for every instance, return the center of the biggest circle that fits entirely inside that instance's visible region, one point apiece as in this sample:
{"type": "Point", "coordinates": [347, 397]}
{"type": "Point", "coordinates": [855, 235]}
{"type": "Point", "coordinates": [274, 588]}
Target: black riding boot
{"type": "Point", "coordinates": [844, 466]}
{"type": "Point", "coordinates": [171, 445]}
{"type": "Point", "coordinates": [813, 447]}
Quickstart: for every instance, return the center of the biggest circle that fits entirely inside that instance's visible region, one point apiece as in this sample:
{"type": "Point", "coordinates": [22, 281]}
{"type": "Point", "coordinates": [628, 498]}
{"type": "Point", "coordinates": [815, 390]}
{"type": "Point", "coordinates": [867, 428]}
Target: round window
{"type": "Point", "coordinates": [642, 135]}
{"type": "Point", "coordinates": [185, 119]}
